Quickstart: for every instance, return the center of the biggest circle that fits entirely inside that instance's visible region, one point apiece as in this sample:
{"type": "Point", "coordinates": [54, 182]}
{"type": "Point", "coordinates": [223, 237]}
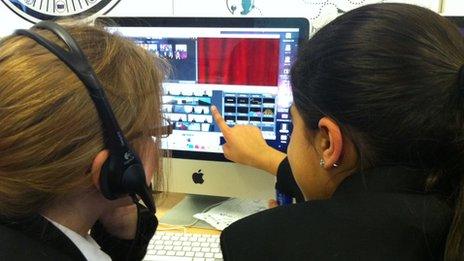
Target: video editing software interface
{"type": "Point", "coordinates": [244, 72]}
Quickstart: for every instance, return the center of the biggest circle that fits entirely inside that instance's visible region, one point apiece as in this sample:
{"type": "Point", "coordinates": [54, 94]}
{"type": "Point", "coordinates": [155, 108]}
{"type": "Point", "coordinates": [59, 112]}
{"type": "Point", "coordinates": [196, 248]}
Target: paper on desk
{"type": "Point", "coordinates": [230, 211]}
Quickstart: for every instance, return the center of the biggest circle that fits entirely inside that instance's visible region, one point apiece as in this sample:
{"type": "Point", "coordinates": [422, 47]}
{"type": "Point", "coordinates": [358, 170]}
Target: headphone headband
{"type": "Point", "coordinates": [75, 59]}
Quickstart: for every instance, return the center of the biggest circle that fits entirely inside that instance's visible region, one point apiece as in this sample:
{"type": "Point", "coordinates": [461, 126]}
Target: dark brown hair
{"type": "Point", "coordinates": [388, 74]}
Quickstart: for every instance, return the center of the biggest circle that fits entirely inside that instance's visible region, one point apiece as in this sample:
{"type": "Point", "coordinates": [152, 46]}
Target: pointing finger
{"type": "Point", "coordinates": [225, 129]}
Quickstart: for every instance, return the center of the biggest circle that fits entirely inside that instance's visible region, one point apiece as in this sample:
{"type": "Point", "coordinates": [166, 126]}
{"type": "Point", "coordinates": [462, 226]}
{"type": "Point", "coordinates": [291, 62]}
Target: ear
{"type": "Point", "coordinates": [97, 165]}
{"type": "Point", "coordinates": [331, 142]}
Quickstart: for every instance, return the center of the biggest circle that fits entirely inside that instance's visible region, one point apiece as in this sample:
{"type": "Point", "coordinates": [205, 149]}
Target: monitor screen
{"type": "Point", "coordinates": [240, 65]}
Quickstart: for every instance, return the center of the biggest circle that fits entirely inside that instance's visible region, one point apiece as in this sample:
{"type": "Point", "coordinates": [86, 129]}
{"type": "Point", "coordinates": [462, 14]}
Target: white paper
{"type": "Point", "coordinates": [230, 211]}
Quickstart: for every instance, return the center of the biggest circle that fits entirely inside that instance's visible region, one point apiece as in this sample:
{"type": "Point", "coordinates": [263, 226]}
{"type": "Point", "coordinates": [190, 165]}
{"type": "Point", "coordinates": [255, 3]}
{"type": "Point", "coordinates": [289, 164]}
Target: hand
{"type": "Point", "coordinates": [245, 144]}
{"type": "Point", "coordinates": [121, 222]}
{"type": "Point", "coordinates": [272, 203]}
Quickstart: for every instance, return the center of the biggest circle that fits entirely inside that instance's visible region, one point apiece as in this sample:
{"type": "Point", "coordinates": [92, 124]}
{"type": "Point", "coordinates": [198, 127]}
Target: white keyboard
{"type": "Point", "coordinates": [170, 246]}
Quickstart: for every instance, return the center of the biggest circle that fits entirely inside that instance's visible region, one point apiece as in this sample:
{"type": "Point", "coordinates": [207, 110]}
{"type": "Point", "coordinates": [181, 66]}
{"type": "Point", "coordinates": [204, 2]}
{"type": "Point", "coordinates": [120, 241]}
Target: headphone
{"type": "Point", "coordinates": [122, 173]}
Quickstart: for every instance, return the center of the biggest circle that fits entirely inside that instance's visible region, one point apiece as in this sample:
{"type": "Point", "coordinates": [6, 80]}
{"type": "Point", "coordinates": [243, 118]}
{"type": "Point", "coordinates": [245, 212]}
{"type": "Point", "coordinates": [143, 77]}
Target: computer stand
{"type": "Point", "coordinates": [182, 213]}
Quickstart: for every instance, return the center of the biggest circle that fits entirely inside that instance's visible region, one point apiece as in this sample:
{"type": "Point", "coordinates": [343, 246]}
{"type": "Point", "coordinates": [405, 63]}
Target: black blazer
{"type": "Point", "coordinates": [381, 214]}
{"type": "Point", "coordinates": [35, 238]}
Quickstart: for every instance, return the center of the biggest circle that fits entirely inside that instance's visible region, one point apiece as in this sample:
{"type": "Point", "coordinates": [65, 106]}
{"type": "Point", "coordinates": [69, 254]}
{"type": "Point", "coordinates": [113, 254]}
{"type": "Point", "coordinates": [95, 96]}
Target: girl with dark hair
{"type": "Point", "coordinates": [376, 155]}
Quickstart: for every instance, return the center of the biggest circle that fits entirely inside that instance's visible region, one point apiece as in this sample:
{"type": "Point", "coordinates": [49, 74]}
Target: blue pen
{"type": "Point", "coordinates": [283, 199]}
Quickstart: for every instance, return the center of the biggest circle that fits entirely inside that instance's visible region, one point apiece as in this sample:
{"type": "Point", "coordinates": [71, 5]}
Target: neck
{"type": "Point", "coordinates": [78, 213]}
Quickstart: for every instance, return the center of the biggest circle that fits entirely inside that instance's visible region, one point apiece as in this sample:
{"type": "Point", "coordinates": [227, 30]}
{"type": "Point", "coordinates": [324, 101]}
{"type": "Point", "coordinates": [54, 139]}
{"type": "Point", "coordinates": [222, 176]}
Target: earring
{"type": "Point", "coordinates": [322, 164]}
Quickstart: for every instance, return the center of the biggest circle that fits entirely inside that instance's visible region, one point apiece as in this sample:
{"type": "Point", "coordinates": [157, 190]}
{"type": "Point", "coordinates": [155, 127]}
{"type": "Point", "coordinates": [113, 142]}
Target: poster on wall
{"type": "Point", "coordinates": [16, 14]}
{"type": "Point", "coordinates": [23, 13]}
{"type": "Point", "coordinates": [318, 12]}
{"type": "Point", "coordinates": [36, 10]}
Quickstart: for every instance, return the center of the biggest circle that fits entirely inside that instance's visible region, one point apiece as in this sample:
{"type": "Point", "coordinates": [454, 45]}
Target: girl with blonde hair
{"type": "Point", "coordinates": [55, 145]}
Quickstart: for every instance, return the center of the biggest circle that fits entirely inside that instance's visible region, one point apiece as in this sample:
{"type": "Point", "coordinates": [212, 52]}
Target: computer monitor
{"type": "Point", "coordinates": [459, 21]}
{"type": "Point", "coordinates": [240, 65]}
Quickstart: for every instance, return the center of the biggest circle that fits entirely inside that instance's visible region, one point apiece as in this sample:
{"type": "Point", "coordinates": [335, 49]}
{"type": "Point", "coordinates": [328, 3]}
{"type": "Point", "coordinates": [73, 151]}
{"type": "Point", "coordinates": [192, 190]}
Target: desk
{"type": "Point", "coordinates": [166, 201]}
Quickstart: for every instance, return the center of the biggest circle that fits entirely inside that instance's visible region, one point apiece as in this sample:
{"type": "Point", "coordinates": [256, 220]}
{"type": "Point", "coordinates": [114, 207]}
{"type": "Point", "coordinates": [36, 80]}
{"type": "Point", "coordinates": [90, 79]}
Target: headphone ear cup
{"type": "Point", "coordinates": [134, 178]}
{"type": "Point", "coordinates": [108, 179]}
{"type": "Point", "coordinates": [115, 180]}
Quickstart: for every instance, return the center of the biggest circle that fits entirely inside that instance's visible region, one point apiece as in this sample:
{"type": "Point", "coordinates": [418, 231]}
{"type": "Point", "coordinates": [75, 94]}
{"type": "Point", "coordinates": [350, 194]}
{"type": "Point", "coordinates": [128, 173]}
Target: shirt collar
{"type": "Point", "coordinates": [87, 245]}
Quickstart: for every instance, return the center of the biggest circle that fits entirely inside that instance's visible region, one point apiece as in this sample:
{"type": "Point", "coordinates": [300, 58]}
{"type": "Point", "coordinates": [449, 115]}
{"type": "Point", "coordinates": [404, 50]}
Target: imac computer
{"type": "Point", "coordinates": [459, 21]}
{"type": "Point", "coordinates": [240, 65]}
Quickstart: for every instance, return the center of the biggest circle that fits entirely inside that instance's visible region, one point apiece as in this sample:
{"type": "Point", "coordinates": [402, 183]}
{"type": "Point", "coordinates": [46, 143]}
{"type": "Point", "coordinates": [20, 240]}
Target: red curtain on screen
{"type": "Point", "coordinates": [238, 61]}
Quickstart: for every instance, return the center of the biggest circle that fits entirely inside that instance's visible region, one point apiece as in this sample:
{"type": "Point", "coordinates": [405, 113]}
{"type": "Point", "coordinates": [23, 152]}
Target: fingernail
{"type": "Point", "coordinates": [213, 108]}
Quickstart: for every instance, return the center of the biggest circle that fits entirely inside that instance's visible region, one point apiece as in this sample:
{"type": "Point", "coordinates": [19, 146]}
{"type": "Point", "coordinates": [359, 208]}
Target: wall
{"type": "Point", "coordinates": [318, 12]}
{"type": "Point", "coordinates": [453, 7]}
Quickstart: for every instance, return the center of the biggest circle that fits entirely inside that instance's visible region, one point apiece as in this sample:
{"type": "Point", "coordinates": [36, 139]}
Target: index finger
{"type": "Point", "coordinates": [220, 121]}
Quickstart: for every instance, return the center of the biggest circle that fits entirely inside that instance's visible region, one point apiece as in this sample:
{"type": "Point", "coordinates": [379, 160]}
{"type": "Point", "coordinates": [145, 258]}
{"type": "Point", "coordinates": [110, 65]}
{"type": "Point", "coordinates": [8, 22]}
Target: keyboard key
{"type": "Point", "coordinates": [209, 255]}
{"type": "Point", "coordinates": [177, 243]}
{"type": "Point", "coordinates": [196, 244]}
{"type": "Point", "coordinates": [198, 259]}
{"type": "Point", "coordinates": [196, 249]}
{"type": "Point", "coordinates": [167, 248]}
{"type": "Point", "coordinates": [177, 248]}
{"type": "Point", "coordinates": [186, 248]}
{"type": "Point", "coordinates": [190, 254]}
{"type": "Point", "coordinates": [215, 249]}
{"type": "Point", "coordinates": [205, 249]}
{"type": "Point", "coordinates": [199, 254]}
{"type": "Point", "coordinates": [204, 244]}
{"type": "Point", "coordinates": [170, 253]}
{"type": "Point", "coordinates": [218, 255]}
{"type": "Point", "coordinates": [158, 247]}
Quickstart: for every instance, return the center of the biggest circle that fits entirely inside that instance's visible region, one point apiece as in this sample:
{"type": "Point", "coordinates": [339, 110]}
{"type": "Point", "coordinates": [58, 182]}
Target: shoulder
{"type": "Point", "coordinates": [15, 245]}
{"type": "Point", "coordinates": [390, 226]}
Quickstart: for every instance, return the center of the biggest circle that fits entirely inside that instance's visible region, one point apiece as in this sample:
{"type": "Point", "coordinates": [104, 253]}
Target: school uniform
{"type": "Point", "coordinates": [38, 238]}
{"type": "Point", "coordinates": [383, 213]}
